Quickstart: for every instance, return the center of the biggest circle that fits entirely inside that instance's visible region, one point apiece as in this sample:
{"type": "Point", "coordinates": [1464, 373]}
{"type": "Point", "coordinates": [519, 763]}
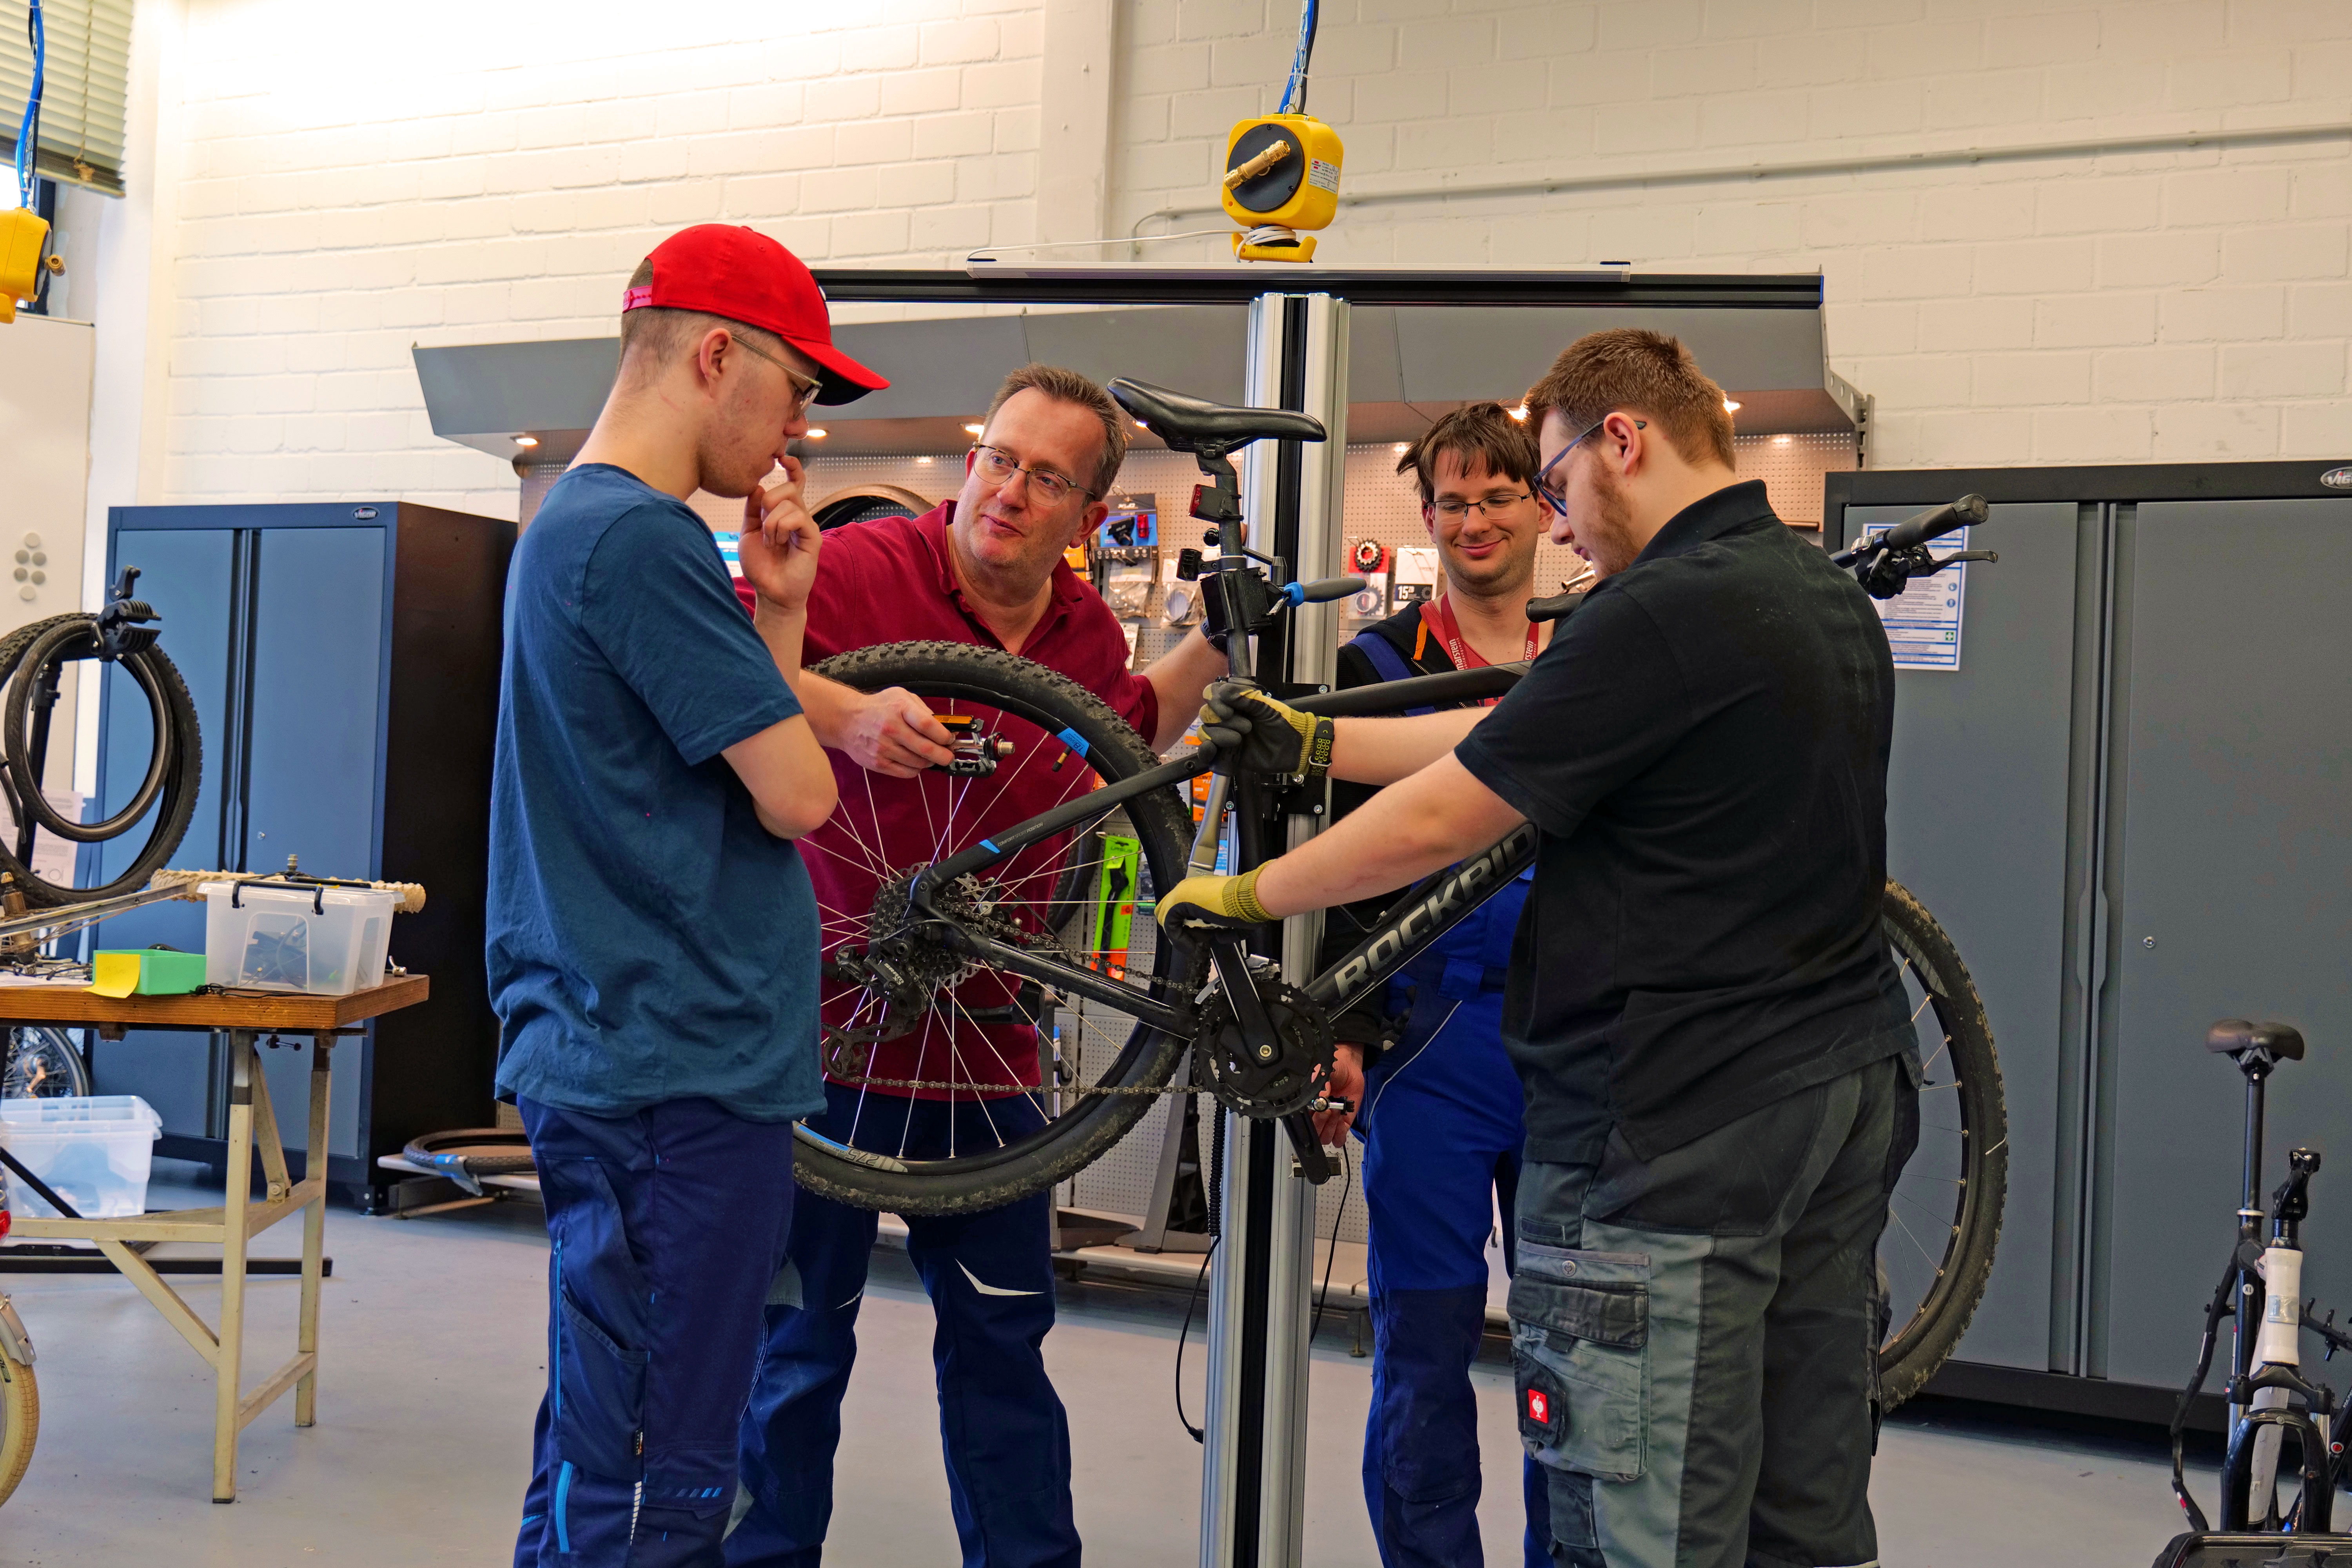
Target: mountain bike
{"type": "Point", "coordinates": [966, 950]}
{"type": "Point", "coordinates": [37, 1062]}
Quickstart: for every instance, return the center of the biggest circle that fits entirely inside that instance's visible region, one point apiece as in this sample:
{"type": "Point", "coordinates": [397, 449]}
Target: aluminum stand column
{"type": "Point", "coordinates": [1253, 1480]}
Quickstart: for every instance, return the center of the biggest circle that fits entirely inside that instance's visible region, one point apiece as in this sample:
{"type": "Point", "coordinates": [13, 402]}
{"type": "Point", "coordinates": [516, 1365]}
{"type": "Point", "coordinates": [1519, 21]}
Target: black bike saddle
{"type": "Point", "coordinates": [1210, 429]}
{"type": "Point", "coordinates": [2282, 1042]}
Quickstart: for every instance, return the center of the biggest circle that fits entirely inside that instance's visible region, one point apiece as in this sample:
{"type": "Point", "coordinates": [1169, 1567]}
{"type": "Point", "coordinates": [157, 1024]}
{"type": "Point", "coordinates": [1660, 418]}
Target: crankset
{"type": "Point", "coordinates": [1271, 1079]}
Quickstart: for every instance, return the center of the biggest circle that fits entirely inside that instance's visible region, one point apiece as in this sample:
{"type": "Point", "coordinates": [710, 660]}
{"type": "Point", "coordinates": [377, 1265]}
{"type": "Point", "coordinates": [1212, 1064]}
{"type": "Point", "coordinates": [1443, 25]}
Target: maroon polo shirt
{"type": "Point", "coordinates": [889, 581]}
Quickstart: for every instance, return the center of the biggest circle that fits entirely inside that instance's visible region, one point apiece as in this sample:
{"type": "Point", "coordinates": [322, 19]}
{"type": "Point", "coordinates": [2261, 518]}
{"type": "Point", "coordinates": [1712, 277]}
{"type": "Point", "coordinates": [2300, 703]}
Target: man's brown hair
{"type": "Point", "coordinates": [659, 332]}
{"type": "Point", "coordinates": [1070, 386]}
{"type": "Point", "coordinates": [1641, 372]}
{"type": "Point", "coordinates": [1478, 435]}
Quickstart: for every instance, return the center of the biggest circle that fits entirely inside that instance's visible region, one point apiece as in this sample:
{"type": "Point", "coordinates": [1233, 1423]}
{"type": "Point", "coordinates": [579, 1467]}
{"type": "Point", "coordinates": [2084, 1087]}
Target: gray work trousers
{"type": "Point", "coordinates": [1694, 1337]}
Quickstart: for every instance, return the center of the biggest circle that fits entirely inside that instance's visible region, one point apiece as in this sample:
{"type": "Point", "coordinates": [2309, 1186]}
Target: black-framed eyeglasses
{"type": "Point", "coordinates": [804, 391]}
{"type": "Point", "coordinates": [998, 466]}
{"type": "Point", "coordinates": [1452, 509]}
{"type": "Point", "coordinates": [1556, 500]}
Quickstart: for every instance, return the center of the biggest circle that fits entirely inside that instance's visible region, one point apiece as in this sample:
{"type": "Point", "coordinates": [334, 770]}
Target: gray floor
{"type": "Point", "coordinates": [432, 1345]}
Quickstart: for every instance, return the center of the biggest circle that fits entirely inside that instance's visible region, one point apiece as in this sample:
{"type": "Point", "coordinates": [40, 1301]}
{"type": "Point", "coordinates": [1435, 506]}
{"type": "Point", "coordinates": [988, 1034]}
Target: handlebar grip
{"type": "Point", "coordinates": [1322, 591]}
{"type": "Point", "coordinates": [1553, 608]}
{"type": "Point", "coordinates": [1961, 513]}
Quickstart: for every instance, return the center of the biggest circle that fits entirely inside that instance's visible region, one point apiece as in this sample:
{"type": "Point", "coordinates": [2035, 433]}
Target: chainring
{"type": "Point", "coordinates": [1290, 1080]}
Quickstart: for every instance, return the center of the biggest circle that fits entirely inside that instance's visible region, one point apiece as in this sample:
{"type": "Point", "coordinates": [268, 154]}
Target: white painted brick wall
{"type": "Point", "coordinates": [2124, 306]}
{"type": "Point", "coordinates": [349, 187]}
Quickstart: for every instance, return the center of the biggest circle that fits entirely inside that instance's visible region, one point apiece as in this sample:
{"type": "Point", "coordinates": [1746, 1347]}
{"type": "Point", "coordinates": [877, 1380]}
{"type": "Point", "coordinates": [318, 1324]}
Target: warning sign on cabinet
{"type": "Point", "coordinates": [1923, 622]}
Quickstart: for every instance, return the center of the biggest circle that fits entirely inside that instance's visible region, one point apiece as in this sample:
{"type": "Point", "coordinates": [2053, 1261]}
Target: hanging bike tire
{"type": "Point", "coordinates": [1943, 1223]}
{"type": "Point", "coordinates": [1064, 732]}
{"type": "Point", "coordinates": [166, 793]}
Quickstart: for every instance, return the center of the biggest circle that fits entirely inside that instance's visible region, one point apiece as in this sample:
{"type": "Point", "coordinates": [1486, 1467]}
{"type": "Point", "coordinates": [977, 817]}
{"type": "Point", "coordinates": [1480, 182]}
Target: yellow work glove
{"type": "Point", "coordinates": [1251, 731]}
{"type": "Point", "coordinates": [1200, 905]}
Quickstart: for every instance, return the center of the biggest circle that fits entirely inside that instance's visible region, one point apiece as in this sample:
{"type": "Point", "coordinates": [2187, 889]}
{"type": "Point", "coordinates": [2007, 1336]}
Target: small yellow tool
{"type": "Point", "coordinates": [23, 235]}
{"type": "Point", "coordinates": [1282, 176]}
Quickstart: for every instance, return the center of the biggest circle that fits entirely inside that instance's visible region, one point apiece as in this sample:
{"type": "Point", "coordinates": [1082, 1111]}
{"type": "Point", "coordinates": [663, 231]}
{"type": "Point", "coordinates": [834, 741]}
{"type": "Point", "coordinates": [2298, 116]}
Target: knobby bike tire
{"type": "Point", "coordinates": [1912, 1353]}
{"type": "Point", "coordinates": [176, 803]}
{"type": "Point", "coordinates": [20, 1422]}
{"type": "Point", "coordinates": [1162, 825]}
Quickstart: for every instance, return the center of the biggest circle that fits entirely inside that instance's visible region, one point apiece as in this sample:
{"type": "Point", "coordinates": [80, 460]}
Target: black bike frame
{"type": "Point", "coordinates": [1433, 907]}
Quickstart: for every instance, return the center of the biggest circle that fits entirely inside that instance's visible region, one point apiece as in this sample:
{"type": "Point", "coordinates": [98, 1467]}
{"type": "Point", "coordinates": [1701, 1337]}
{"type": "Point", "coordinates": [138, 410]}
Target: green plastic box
{"type": "Point", "coordinates": [162, 972]}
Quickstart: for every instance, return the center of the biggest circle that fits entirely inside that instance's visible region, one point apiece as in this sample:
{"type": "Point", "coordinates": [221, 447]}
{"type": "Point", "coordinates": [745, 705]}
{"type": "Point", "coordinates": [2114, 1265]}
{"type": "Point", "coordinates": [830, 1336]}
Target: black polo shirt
{"type": "Point", "coordinates": [1703, 747]}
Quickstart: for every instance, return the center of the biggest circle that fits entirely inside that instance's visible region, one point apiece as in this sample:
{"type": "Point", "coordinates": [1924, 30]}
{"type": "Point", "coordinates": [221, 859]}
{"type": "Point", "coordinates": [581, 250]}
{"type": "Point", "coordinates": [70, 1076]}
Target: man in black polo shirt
{"type": "Point", "coordinates": [1719, 1067]}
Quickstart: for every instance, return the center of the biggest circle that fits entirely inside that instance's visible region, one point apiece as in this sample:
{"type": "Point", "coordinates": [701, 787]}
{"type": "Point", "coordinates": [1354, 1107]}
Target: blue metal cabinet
{"type": "Point", "coordinates": [344, 660]}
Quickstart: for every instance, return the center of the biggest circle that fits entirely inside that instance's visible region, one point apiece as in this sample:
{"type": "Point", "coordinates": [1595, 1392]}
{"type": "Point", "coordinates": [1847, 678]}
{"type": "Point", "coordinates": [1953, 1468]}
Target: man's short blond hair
{"type": "Point", "coordinates": [1070, 386]}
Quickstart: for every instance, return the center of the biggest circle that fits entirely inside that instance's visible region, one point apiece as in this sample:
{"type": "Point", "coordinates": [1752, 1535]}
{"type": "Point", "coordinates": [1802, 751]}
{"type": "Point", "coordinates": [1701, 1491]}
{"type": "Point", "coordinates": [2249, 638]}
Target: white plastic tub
{"type": "Point", "coordinates": [328, 941]}
{"type": "Point", "coordinates": [93, 1150]}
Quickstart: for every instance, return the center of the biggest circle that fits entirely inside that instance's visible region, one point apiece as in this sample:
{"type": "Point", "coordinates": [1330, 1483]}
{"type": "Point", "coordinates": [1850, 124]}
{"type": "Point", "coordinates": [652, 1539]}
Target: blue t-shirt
{"type": "Point", "coordinates": [648, 939]}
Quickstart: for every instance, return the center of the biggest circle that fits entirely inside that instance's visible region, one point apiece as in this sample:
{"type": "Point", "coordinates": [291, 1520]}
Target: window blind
{"type": "Point", "coordinates": [84, 93]}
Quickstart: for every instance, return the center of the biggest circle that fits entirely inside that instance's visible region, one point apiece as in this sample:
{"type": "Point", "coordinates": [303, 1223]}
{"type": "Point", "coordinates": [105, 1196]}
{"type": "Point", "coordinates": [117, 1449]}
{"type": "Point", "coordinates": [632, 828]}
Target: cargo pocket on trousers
{"type": "Point", "coordinates": [1580, 1358]}
{"type": "Point", "coordinates": [600, 1395]}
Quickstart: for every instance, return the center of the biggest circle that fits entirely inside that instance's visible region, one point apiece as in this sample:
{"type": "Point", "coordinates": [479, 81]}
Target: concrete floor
{"type": "Point", "coordinates": [432, 1337]}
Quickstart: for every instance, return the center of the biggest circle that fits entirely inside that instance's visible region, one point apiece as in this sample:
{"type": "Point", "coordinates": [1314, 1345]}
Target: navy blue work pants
{"type": "Point", "coordinates": [1443, 1130]}
{"type": "Point", "coordinates": [664, 1228]}
{"type": "Point", "coordinates": [991, 1281]}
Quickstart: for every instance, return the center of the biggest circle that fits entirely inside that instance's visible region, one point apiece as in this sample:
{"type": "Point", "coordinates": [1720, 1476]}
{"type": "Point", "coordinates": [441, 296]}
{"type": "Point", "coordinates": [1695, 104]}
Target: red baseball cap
{"type": "Point", "coordinates": [723, 270]}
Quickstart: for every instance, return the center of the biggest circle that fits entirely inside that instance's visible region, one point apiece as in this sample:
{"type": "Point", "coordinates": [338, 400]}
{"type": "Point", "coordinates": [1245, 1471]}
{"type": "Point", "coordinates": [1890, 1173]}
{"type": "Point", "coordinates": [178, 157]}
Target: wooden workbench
{"type": "Point", "coordinates": [252, 1128]}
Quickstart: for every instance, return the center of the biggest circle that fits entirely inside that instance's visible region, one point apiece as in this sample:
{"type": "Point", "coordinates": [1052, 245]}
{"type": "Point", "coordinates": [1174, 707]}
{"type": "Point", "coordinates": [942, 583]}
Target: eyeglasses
{"type": "Point", "coordinates": [804, 391]}
{"type": "Point", "coordinates": [1556, 500]}
{"type": "Point", "coordinates": [998, 466]}
{"type": "Point", "coordinates": [1454, 509]}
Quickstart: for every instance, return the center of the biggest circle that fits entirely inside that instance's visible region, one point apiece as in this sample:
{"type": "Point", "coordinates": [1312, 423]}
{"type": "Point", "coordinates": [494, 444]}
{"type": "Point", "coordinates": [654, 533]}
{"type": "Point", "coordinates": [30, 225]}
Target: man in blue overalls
{"type": "Point", "coordinates": [1441, 1137]}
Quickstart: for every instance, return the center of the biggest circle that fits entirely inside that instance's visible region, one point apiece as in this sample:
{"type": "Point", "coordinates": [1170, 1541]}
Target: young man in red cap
{"type": "Point", "coordinates": [653, 938]}
{"type": "Point", "coordinates": [986, 568]}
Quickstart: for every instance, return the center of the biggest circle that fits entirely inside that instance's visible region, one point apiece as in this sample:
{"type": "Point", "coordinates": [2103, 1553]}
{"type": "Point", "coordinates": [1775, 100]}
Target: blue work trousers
{"type": "Point", "coordinates": [664, 1229]}
{"type": "Point", "coordinates": [1443, 1131]}
{"type": "Point", "coordinates": [991, 1281]}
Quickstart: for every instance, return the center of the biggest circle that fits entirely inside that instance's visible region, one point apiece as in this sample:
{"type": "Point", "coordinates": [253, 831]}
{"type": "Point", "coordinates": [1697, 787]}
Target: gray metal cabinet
{"type": "Point", "coordinates": [2128, 807]}
{"type": "Point", "coordinates": [2231, 895]}
{"type": "Point", "coordinates": [1976, 828]}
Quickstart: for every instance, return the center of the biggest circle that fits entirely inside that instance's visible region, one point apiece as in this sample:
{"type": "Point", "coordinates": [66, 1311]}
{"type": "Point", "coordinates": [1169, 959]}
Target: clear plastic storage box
{"type": "Point", "coordinates": [93, 1151]}
{"type": "Point", "coordinates": [328, 941]}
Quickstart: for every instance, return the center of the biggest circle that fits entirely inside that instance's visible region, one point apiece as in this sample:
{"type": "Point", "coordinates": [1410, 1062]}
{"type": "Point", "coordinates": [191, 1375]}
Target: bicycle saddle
{"type": "Point", "coordinates": [1210, 429]}
{"type": "Point", "coordinates": [2282, 1042]}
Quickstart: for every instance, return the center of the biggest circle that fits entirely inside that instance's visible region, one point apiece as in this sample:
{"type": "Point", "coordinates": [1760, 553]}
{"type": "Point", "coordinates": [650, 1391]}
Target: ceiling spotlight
{"type": "Point", "coordinates": [926, 462]}
{"type": "Point", "coordinates": [1520, 412]}
{"type": "Point", "coordinates": [975, 430]}
{"type": "Point", "coordinates": [526, 440]}
{"type": "Point", "coordinates": [1401, 448]}
{"type": "Point", "coordinates": [1783, 440]}
{"type": "Point", "coordinates": [816, 434]}
{"type": "Point", "coordinates": [1141, 426]}
{"type": "Point", "coordinates": [1729, 406]}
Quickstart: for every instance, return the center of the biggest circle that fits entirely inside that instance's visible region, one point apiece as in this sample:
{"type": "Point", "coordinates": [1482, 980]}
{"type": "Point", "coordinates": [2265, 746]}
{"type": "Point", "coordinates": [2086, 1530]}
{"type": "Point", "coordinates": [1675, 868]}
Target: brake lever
{"type": "Point", "coordinates": [1987, 556]}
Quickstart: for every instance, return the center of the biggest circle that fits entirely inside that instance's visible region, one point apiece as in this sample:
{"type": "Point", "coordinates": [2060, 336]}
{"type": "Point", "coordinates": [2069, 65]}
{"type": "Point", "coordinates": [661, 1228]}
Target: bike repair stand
{"type": "Point", "coordinates": [1254, 1478]}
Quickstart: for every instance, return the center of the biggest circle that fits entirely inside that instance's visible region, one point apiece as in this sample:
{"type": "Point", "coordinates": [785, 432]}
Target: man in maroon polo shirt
{"type": "Point", "coordinates": [986, 568]}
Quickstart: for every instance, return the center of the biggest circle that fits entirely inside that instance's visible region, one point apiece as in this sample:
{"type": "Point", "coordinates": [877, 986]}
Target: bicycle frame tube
{"type": "Point", "coordinates": [1429, 911]}
{"type": "Point", "coordinates": [1435, 907]}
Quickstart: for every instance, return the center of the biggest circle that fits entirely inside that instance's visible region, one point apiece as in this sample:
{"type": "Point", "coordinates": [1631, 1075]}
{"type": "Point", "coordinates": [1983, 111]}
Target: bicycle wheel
{"type": "Point", "coordinates": [1943, 1218]}
{"type": "Point", "coordinates": [41, 1064]}
{"type": "Point", "coordinates": [928, 1024]}
{"type": "Point", "coordinates": [20, 1422]}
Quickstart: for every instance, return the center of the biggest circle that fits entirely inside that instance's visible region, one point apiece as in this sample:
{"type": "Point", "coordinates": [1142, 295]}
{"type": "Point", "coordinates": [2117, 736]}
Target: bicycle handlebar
{"type": "Point", "coordinates": [1946, 518]}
